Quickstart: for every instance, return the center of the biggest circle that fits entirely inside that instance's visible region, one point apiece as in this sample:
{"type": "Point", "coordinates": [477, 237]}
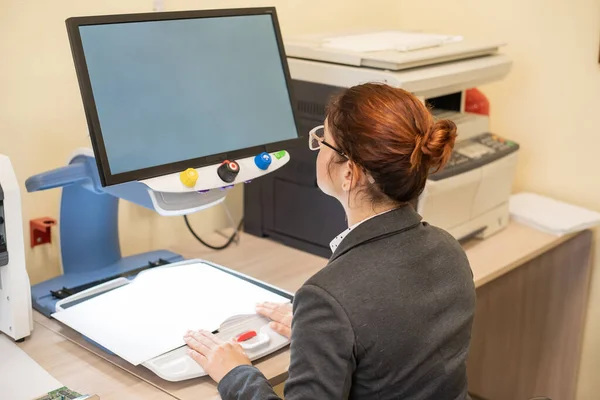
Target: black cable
{"type": "Point", "coordinates": [229, 241]}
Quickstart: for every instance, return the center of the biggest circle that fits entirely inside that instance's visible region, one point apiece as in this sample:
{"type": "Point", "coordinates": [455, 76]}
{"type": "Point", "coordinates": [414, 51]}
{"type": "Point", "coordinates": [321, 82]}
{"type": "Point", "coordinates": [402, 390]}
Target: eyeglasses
{"type": "Point", "coordinates": [316, 139]}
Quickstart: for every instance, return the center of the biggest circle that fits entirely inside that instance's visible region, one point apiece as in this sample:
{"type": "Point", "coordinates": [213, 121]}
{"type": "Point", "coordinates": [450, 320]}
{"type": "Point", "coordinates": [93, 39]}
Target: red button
{"type": "Point", "coordinates": [245, 336]}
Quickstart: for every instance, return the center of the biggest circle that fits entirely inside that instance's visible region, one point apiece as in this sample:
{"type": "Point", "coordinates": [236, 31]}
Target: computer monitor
{"type": "Point", "coordinates": [164, 92]}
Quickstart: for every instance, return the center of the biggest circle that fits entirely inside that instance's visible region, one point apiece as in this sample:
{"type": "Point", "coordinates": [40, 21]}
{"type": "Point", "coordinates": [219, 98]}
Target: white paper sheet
{"type": "Point", "coordinates": [21, 378]}
{"type": "Point", "coordinates": [550, 215]}
{"type": "Point", "coordinates": [388, 40]}
{"type": "Point", "coordinates": [149, 317]}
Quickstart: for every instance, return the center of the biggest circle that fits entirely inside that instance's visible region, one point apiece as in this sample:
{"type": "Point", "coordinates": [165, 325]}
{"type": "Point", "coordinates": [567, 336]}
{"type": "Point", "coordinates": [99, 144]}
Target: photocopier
{"type": "Point", "coordinates": [468, 198]}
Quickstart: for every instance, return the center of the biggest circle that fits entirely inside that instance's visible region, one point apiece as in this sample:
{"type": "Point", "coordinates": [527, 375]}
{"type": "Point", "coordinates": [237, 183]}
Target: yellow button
{"type": "Point", "coordinates": [189, 177]}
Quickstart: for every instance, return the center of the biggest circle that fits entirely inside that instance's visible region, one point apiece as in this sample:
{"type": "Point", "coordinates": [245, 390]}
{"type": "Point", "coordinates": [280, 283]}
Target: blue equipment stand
{"type": "Point", "coordinates": [89, 234]}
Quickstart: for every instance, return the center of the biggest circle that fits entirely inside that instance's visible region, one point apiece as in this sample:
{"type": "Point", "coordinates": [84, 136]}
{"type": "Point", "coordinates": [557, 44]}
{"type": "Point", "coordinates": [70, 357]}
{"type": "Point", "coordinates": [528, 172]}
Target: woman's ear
{"type": "Point", "coordinates": [348, 176]}
{"type": "Point", "coordinates": [352, 176]}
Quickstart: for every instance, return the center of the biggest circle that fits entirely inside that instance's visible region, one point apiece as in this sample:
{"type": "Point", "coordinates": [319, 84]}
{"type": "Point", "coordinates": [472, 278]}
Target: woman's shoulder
{"type": "Point", "coordinates": [418, 244]}
{"type": "Point", "coordinates": [425, 249]}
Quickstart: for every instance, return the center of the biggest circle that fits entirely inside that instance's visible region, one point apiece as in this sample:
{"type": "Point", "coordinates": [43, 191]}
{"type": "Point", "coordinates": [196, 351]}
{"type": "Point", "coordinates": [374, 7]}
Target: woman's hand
{"type": "Point", "coordinates": [280, 314]}
{"type": "Point", "coordinates": [215, 356]}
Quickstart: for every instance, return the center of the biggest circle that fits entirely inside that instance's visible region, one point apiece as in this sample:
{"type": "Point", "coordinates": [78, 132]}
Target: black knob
{"type": "Point", "coordinates": [1, 219]}
{"type": "Point", "coordinates": [228, 170]}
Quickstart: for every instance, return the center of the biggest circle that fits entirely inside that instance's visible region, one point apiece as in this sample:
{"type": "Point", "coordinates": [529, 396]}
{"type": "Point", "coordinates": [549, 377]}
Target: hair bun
{"type": "Point", "coordinates": [436, 145]}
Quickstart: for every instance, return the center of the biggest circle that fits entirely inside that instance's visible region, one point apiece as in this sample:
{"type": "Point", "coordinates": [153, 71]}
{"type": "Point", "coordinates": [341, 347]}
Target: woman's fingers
{"type": "Point", "coordinates": [199, 358]}
{"type": "Point", "coordinates": [282, 329]}
{"type": "Point", "coordinates": [277, 312]}
{"type": "Point", "coordinates": [210, 337]}
{"type": "Point", "coordinates": [196, 345]}
{"type": "Point", "coordinates": [269, 304]}
{"type": "Point", "coordinates": [200, 342]}
{"type": "Point", "coordinates": [266, 309]}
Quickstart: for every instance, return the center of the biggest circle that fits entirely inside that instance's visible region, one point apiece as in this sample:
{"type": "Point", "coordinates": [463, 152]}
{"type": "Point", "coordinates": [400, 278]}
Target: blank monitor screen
{"type": "Point", "coordinates": [165, 94]}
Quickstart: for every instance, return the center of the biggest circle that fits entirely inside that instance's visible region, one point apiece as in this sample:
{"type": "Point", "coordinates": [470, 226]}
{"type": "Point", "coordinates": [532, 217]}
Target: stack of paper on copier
{"type": "Point", "coordinates": [388, 40]}
{"type": "Point", "coordinates": [549, 215]}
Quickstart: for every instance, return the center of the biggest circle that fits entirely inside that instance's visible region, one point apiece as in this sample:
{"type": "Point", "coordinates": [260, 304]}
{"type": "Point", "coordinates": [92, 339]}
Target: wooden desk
{"type": "Point", "coordinates": [532, 296]}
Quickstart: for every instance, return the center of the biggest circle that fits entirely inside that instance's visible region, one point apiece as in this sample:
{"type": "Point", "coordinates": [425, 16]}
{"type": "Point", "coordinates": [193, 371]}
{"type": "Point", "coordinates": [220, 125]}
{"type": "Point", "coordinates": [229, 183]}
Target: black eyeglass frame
{"type": "Point", "coordinates": [313, 135]}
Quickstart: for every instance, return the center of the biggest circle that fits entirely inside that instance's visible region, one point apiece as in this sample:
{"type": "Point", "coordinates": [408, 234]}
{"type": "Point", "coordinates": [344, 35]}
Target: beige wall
{"type": "Point", "coordinates": [42, 119]}
{"type": "Point", "coordinates": [549, 104]}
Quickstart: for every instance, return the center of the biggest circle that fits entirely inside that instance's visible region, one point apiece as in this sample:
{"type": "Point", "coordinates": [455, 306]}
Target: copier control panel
{"type": "Point", "coordinates": [474, 153]}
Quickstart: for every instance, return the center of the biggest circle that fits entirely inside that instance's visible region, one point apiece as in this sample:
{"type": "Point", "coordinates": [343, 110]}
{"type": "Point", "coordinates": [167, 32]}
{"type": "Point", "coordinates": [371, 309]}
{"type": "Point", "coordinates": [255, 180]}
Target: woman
{"type": "Point", "coordinates": [390, 315]}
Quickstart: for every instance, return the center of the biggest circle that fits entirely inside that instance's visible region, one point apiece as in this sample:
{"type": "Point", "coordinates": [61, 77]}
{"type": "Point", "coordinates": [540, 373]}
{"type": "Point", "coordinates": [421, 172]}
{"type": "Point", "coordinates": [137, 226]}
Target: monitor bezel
{"type": "Point", "coordinates": [107, 178]}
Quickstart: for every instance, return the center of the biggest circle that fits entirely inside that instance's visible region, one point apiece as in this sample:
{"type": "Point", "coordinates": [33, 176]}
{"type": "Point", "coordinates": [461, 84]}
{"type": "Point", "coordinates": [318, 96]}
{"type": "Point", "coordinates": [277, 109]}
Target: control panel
{"type": "Point", "coordinates": [3, 245]}
{"type": "Point", "coordinates": [223, 175]}
{"type": "Point", "coordinates": [475, 152]}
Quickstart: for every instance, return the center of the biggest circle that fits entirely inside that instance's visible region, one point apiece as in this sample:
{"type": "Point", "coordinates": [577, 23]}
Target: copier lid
{"type": "Point", "coordinates": [388, 50]}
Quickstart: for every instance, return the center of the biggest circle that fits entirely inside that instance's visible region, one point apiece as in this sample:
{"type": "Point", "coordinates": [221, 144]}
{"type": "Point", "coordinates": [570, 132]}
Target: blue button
{"type": "Point", "coordinates": [263, 160]}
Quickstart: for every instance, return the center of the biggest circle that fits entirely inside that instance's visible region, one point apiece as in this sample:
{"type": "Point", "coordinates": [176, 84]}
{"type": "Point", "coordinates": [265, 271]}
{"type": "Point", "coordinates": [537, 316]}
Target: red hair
{"type": "Point", "coordinates": [392, 135]}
